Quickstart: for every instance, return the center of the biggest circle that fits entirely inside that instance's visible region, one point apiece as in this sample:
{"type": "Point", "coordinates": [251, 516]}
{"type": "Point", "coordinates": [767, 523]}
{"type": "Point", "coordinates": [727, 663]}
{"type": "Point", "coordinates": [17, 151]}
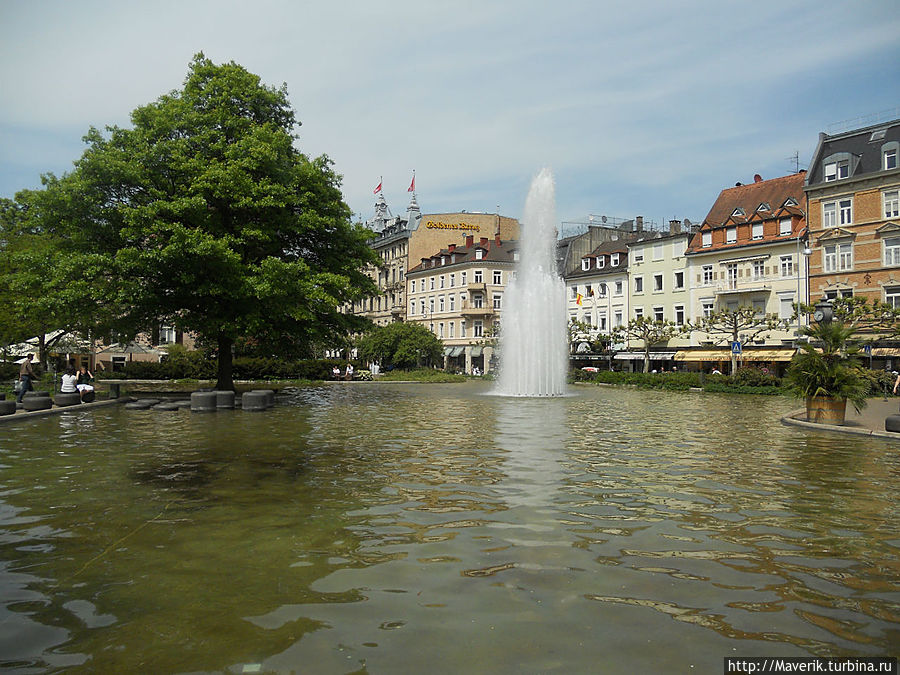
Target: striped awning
{"type": "Point", "coordinates": [717, 355]}
{"type": "Point", "coordinates": [654, 356]}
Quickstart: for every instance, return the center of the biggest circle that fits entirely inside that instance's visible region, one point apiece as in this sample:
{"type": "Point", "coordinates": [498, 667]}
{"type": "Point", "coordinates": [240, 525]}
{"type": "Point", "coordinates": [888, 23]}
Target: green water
{"type": "Point", "coordinates": [433, 529]}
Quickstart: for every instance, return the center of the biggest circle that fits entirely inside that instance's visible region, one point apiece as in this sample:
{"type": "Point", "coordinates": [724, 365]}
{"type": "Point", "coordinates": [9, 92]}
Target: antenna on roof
{"type": "Point", "coordinates": [795, 161]}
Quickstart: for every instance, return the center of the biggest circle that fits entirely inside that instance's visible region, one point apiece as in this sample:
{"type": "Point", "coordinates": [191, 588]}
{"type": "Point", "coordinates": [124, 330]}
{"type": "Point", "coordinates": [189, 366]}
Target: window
{"type": "Point", "coordinates": [786, 307]}
{"type": "Point", "coordinates": [588, 293]}
{"type": "Point", "coordinates": [166, 335]}
{"type": "Point", "coordinates": [441, 303]}
{"type": "Point", "coordinates": [412, 286]}
{"type": "Point", "coordinates": [678, 248]}
{"type": "Point", "coordinates": [618, 316]}
{"type": "Point", "coordinates": [892, 296]}
{"type": "Point", "coordinates": [759, 308]}
{"type": "Point", "coordinates": [707, 308]}
{"type": "Point", "coordinates": [829, 214]}
{"type": "Point", "coordinates": [450, 328]}
{"type": "Point", "coordinates": [479, 254]}
{"type": "Point", "coordinates": [431, 284]}
{"type": "Point", "coordinates": [889, 155]}
{"type": "Point", "coordinates": [618, 288]}
{"type": "Point", "coordinates": [430, 306]}
{"type": "Point", "coordinates": [845, 211]}
{"type": "Point", "coordinates": [441, 329]}
{"type": "Point", "coordinates": [707, 274]}
{"type": "Point", "coordinates": [892, 251]}
{"type": "Point", "coordinates": [462, 328]}
{"type": "Point", "coordinates": [838, 257]}
{"type": "Point", "coordinates": [731, 272]}
{"type": "Point", "coordinates": [442, 280]}
{"type": "Point", "coordinates": [478, 276]}
{"type": "Point", "coordinates": [462, 278]}
{"type": "Point", "coordinates": [679, 280]}
{"type": "Point", "coordinates": [639, 255]}
{"type": "Point", "coordinates": [784, 227]}
{"type": "Point", "coordinates": [478, 301]}
{"type": "Point", "coordinates": [477, 329]}
{"type": "Point", "coordinates": [638, 312]}
{"type": "Point", "coordinates": [759, 267]}
{"type": "Point", "coordinates": [891, 203]}
{"type": "Point", "coordinates": [837, 170]}
{"type": "Point", "coordinates": [614, 259]}
{"type": "Point", "coordinates": [730, 235]}
{"type": "Point", "coordinates": [639, 284]}
{"type": "Point", "coordinates": [658, 314]}
{"type": "Point", "coordinates": [679, 315]}
{"type": "Point", "coordinates": [412, 307]}
{"type": "Point", "coordinates": [452, 299]}
{"type": "Point", "coordinates": [601, 262]}
{"type": "Point", "coordinates": [452, 280]}
{"type": "Point", "coordinates": [757, 232]}
{"type": "Point", "coordinates": [787, 265]}
{"type": "Point", "coordinates": [422, 307]}
{"type": "Point", "coordinates": [657, 283]}
{"type": "Point", "coordinates": [585, 264]}
{"type": "Point", "coordinates": [498, 297]}
{"type": "Point", "coordinates": [739, 211]}
{"type": "Point", "coordinates": [657, 251]}
{"type": "Point", "coordinates": [836, 293]}
{"type": "Point", "coordinates": [498, 277]}
{"type": "Point", "coordinates": [574, 292]}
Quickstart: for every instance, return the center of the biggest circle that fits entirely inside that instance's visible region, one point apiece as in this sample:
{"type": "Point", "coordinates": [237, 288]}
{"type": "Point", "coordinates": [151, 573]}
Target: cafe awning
{"type": "Point", "coordinates": [654, 356]}
{"type": "Point", "coordinates": [453, 352]}
{"type": "Point", "coordinates": [703, 355]}
{"type": "Point", "coordinates": [717, 355]}
{"type": "Point", "coordinates": [885, 351]}
{"type": "Point", "coordinates": [476, 351]}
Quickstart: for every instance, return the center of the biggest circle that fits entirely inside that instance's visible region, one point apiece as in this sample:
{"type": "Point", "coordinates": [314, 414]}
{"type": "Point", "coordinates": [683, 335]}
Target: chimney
{"type": "Point", "coordinates": [484, 241]}
{"type": "Point", "coordinates": [497, 240]}
{"type": "Point", "coordinates": [451, 247]}
{"type": "Point", "coordinates": [675, 226]}
{"type": "Point", "coordinates": [639, 223]}
{"type": "Point", "coordinates": [470, 239]}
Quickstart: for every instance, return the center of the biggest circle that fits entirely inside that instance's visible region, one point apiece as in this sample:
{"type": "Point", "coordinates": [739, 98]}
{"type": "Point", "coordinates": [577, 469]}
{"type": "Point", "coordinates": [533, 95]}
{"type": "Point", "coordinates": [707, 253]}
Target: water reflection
{"type": "Point", "coordinates": [434, 529]}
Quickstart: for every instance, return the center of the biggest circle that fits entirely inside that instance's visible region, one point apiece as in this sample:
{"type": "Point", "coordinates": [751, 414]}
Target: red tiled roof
{"type": "Point", "coordinates": [774, 192]}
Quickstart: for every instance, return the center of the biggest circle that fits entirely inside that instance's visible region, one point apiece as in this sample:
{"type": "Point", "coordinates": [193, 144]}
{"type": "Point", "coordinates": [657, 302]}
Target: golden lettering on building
{"type": "Point", "coordinates": [439, 225]}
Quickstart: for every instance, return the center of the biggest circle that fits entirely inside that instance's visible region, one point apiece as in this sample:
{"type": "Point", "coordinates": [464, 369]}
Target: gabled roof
{"type": "Point", "coordinates": [775, 191]}
{"type": "Point", "coordinates": [491, 253]}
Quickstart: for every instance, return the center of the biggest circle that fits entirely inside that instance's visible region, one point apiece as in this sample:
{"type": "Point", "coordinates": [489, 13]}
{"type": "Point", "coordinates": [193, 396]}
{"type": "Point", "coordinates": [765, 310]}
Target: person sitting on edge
{"type": "Point", "coordinates": [83, 384]}
{"type": "Point", "coordinates": [69, 380]}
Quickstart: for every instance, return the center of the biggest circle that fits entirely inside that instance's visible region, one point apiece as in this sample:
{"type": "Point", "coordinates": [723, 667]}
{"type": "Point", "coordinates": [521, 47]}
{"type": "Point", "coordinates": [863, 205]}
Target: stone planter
{"type": "Point", "coordinates": [826, 410]}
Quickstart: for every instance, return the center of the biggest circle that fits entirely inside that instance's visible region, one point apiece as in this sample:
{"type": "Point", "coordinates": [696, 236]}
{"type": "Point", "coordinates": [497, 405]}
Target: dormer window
{"type": "Point", "coordinates": [757, 231]}
{"type": "Point", "coordinates": [763, 207]}
{"type": "Point", "coordinates": [791, 202]}
{"type": "Point", "coordinates": [601, 262]}
{"type": "Point", "coordinates": [614, 259]}
{"type": "Point", "coordinates": [443, 260]}
{"type": "Point", "coordinates": [706, 239]}
{"type": "Point", "coordinates": [730, 235]}
{"type": "Point", "coordinates": [739, 211]}
{"type": "Point", "coordinates": [837, 170]}
{"type": "Point", "coordinates": [452, 258]}
{"type": "Point", "coordinates": [479, 254]}
{"type": "Point", "coordinates": [889, 152]}
{"type": "Point", "coordinates": [585, 264]}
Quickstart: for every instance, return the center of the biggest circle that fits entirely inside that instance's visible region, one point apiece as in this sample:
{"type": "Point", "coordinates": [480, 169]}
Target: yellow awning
{"type": "Point", "coordinates": [716, 355]}
{"type": "Point", "coordinates": [703, 355]}
{"type": "Point", "coordinates": [885, 351]}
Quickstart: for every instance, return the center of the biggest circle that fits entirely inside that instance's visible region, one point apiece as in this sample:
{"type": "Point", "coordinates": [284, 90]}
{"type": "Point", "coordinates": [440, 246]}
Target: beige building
{"type": "Point", "coordinates": [457, 293]}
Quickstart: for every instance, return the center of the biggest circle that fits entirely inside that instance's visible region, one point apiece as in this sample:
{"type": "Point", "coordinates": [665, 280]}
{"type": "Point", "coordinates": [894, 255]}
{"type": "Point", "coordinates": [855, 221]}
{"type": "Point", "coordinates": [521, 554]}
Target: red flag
{"type": "Point", "coordinates": [412, 186]}
{"type": "Point", "coordinates": [378, 188]}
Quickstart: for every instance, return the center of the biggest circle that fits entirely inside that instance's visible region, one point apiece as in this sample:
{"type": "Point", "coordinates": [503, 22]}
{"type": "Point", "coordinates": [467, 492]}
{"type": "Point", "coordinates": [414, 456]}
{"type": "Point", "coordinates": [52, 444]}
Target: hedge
{"type": "Point", "coordinates": [194, 366]}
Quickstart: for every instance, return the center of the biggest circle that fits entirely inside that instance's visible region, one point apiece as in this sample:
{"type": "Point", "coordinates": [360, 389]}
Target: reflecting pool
{"type": "Point", "coordinates": [430, 528]}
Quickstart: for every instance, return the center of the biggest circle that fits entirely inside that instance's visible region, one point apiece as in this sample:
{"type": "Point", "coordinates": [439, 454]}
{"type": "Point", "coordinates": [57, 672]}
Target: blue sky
{"type": "Point", "coordinates": [638, 108]}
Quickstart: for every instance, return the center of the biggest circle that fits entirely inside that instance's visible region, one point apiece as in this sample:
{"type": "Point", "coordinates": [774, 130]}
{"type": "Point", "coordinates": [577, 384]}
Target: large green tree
{"type": "Point", "coordinates": [204, 215]}
{"type": "Point", "coordinates": [648, 332]}
{"type": "Point", "coordinates": [401, 344]}
{"type": "Point", "coordinates": [740, 324]}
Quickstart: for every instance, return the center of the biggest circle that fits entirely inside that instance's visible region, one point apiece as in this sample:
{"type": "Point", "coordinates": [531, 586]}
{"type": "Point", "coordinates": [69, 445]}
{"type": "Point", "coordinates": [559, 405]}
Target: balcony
{"type": "Point", "coordinates": [475, 287]}
{"type": "Point", "coordinates": [468, 309]}
{"type": "Point", "coordinates": [734, 288]}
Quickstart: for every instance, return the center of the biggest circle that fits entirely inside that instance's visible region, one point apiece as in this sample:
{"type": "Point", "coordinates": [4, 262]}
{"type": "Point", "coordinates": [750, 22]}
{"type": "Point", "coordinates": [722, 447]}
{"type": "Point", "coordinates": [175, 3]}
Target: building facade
{"type": "Point", "coordinates": [750, 251]}
{"type": "Point", "coordinates": [853, 204]}
{"type": "Point", "coordinates": [457, 293]}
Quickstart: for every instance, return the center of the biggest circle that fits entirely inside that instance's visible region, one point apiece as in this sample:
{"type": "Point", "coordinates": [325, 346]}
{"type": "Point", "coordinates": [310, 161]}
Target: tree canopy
{"type": "Point", "coordinates": [742, 324]}
{"type": "Point", "coordinates": [403, 345]}
{"type": "Point", "coordinates": [648, 332]}
{"type": "Point", "coordinates": [203, 215]}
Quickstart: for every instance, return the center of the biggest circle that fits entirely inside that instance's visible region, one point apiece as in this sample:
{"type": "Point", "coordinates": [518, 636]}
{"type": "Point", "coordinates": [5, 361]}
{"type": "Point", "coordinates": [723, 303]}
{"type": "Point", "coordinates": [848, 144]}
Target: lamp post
{"type": "Point", "coordinates": [802, 263]}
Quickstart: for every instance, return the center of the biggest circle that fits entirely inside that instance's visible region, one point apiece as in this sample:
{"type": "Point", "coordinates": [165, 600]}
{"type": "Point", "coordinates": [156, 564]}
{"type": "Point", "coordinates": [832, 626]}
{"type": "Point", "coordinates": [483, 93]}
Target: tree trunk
{"type": "Point", "coordinates": [647, 358]}
{"type": "Point", "coordinates": [225, 380]}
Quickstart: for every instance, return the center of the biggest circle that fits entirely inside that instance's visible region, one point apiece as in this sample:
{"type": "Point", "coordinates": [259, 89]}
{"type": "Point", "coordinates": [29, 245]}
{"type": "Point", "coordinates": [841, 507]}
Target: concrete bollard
{"type": "Point", "coordinates": [224, 400]}
{"type": "Point", "coordinates": [31, 403]}
{"type": "Point", "coordinates": [270, 396]}
{"type": "Point", "coordinates": [254, 401]}
{"type": "Point", "coordinates": [203, 401]}
{"type": "Point", "coordinates": [64, 399]}
{"type": "Point", "coordinates": [7, 407]}
{"type": "Point", "coordinates": [892, 423]}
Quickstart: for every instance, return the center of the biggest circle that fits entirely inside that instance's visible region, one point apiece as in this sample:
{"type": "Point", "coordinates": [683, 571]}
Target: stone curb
{"type": "Point", "coordinates": [791, 420]}
{"type": "Point", "coordinates": [21, 415]}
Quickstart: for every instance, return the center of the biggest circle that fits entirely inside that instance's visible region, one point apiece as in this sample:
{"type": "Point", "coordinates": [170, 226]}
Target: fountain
{"type": "Point", "coordinates": [533, 344]}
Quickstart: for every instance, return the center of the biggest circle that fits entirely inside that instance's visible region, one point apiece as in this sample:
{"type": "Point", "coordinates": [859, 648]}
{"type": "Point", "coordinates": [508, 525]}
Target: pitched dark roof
{"type": "Point", "coordinates": [863, 145]}
{"type": "Point", "coordinates": [775, 192]}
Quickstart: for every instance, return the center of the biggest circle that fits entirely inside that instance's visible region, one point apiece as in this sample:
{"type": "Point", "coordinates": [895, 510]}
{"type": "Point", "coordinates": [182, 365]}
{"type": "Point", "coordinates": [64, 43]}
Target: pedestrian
{"type": "Point", "coordinates": [69, 381]}
{"type": "Point", "coordinates": [897, 383]}
{"type": "Point", "coordinates": [26, 375]}
{"type": "Point", "coordinates": [348, 375]}
{"type": "Point", "coordinates": [84, 386]}
{"type": "Point", "coordinates": [336, 373]}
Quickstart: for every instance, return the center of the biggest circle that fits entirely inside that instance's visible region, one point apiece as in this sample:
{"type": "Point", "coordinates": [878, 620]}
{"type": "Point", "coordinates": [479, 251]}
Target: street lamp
{"type": "Point", "coordinates": [802, 262]}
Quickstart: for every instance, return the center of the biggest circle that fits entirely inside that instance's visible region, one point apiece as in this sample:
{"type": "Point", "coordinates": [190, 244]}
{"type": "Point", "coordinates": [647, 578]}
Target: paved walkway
{"type": "Point", "coordinates": [869, 421]}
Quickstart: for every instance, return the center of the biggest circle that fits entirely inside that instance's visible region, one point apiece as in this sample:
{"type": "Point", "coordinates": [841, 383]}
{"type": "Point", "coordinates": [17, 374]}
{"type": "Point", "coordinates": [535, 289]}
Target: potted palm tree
{"type": "Point", "coordinates": [827, 373]}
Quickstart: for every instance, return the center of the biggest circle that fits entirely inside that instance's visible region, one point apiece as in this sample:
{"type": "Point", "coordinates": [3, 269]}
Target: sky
{"type": "Point", "coordinates": [638, 108]}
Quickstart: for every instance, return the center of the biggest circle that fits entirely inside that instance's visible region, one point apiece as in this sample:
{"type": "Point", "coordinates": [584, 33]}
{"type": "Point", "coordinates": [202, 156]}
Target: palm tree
{"type": "Point", "coordinates": [827, 367]}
